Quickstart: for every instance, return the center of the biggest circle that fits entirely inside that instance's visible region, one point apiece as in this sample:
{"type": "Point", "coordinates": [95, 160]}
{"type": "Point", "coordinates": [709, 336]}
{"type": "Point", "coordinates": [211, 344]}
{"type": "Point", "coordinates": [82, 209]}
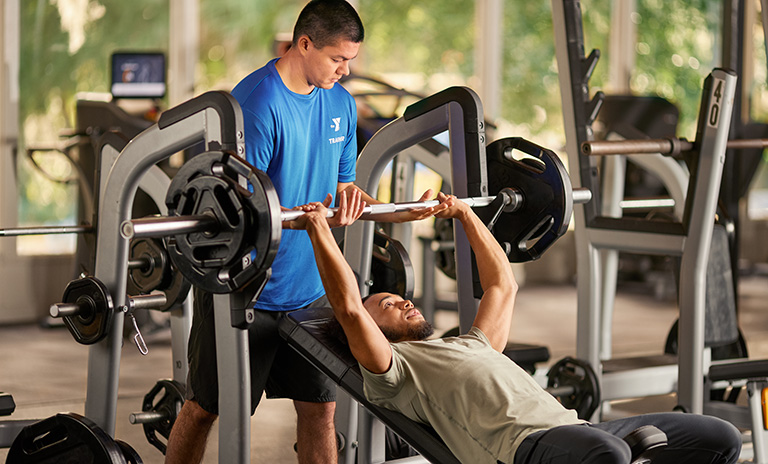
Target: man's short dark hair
{"type": "Point", "coordinates": [327, 21]}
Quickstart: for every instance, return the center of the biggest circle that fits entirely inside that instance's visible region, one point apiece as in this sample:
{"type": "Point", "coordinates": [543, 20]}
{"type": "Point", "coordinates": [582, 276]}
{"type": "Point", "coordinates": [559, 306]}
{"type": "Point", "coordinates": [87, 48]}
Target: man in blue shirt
{"type": "Point", "coordinates": [299, 129]}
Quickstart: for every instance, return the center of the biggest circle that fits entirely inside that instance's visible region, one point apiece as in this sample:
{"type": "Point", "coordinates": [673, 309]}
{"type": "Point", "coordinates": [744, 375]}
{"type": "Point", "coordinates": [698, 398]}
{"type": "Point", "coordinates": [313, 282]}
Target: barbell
{"type": "Point", "coordinates": [224, 217]}
{"type": "Point", "coordinates": [154, 227]}
{"type": "Point", "coordinates": [669, 146]}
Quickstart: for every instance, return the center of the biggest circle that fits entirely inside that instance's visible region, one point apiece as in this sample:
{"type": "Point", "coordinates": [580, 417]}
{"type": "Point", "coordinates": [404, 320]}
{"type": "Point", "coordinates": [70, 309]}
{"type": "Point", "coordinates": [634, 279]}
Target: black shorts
{"type": "Point", "coordinates": [275, 367]}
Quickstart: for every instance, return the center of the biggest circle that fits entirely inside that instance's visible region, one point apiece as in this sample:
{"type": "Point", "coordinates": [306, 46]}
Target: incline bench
{"type": "Point", "coordinates": [307, 332]}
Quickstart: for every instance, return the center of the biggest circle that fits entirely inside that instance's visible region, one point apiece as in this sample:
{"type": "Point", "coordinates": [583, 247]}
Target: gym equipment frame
{"type": "Point", "coordinates": [693, 374]}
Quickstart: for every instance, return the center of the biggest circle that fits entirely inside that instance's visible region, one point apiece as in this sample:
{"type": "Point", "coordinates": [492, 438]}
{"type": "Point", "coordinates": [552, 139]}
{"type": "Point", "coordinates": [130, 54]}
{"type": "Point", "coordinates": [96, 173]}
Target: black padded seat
{"type": "Point", "coordinates": [307, 332]}
{"type": "Point", "coordinates": [746, 370]}
{"type": "Point", "coordinates": [7, 405]}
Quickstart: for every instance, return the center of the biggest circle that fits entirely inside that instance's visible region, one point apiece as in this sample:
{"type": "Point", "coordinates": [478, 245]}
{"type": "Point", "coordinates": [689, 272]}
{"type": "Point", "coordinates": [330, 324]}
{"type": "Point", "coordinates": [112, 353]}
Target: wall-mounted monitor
{"type": "Point", "coordinates": [138, 75]}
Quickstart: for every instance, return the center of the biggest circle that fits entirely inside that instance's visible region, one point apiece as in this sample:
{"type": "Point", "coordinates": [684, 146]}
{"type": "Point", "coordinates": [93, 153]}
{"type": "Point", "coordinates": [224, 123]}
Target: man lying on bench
{"type": "Point", "coordinates": [485, 407]}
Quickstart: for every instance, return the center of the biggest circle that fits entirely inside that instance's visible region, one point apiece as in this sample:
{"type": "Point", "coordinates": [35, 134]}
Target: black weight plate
{"type": "Point", "coordinates": [92, 323]}
{"type": "Point", "coordinates": [176, 289]}
{"type": "Point", "coordinates": [578, 374]}
{"type": "Point", "coordinates": [244, 202]}
{"type": "Point", "coordinates": [445, 259]}
{"type": "Point", "coordinates": [166, 398]}
{"type": "Point", "coordinates": [143, 281]}
{"type": "Point", "coordinates": [216, 196]}
{"type": "Point", "coordinates": [130, 454]}
{"type": "Point", "coordinates": [391, 267]}
{"type": "Point", "coordinates": [64, 439]}
{"type": "Point", "coordinates": [146, 279]}
{"type": "Point", "coordinates": [547, 204]}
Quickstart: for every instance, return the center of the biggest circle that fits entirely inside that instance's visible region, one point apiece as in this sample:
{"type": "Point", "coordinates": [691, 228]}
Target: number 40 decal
{"type": "Point", "coordinates": [716, 103]}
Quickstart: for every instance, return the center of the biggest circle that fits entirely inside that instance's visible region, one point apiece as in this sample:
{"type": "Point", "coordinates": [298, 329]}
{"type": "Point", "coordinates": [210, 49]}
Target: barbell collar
{"type": "Point", "coordinates": [166, 226]}
{"type": "Point", "coordinates": [58, 310]}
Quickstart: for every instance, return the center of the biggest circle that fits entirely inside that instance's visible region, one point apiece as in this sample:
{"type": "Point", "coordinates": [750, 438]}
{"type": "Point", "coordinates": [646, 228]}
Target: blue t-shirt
{"type": "Point", "coordinates": [307, 145]}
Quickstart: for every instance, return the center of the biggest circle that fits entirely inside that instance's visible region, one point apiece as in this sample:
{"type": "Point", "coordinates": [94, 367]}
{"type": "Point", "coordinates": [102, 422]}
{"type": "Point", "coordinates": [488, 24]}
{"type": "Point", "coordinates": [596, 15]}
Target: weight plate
{"type": "Point", "coordinates": [572, 372]}
{"type": "Point", "coordinates": [130, 454]}
{"type": "Point", "coordinates": [176, 289]}
{"type": "Point", "coordinates": [160, 275]}
{"type": "Point", "coordinates": [245, 204]}
{"type": "Point", "coordinates": [545, 211]}
{"type": "Point", "coordinates": [64, 438]}
{"type": "Point", "coordinates": [391, 268]}
{"type": "Point", "coordinates": [151, 275]}
{"type": "Point", "coordinates": [445, 259]}
{"type": "Point", "coordinates": [91, 324]}
{"type": "Point", "coordinates": [165, 398]}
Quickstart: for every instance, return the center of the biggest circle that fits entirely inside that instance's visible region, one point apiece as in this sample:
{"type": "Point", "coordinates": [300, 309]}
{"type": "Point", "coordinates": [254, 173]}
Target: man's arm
{"type": "Point", "coordinates": [366, 341]}
{"type": "Point", "coordinates": [494, 314]}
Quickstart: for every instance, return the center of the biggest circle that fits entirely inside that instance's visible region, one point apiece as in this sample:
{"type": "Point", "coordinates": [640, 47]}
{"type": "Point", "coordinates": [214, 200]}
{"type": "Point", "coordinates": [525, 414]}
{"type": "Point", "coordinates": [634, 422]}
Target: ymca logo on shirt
{"type": "Point", "coordinates": [336, 126]}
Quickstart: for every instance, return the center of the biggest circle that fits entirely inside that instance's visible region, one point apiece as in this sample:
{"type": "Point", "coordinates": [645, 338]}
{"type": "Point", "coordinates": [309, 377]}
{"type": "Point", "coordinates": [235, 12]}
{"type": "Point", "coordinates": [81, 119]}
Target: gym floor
{"type": "Point", "coordinates": [45, 370]}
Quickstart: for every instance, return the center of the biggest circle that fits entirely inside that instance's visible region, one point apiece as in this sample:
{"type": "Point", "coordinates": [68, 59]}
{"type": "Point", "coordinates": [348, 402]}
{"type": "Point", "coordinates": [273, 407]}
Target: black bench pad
{"type": "Point", "coordinates": [307, 332]}
{"type": "Point", "coordinates": [757, 369]}
{"type": "Point", "coordinates": [7, 405]}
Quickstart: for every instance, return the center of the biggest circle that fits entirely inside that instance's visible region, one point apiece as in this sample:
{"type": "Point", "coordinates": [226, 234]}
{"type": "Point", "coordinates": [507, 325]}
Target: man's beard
{"type": "Point", "coordinates": [418, 332]}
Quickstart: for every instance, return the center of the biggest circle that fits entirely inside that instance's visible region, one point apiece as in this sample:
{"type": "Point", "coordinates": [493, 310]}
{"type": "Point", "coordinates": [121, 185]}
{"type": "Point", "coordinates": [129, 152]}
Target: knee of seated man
{"type": "Point", "coordinates": [609, 452]}
{"type": "Point", "coordinates": [720, 433]}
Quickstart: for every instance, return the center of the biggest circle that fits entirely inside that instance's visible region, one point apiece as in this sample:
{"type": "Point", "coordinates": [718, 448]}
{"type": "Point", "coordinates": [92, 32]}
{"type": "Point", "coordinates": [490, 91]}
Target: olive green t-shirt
{"type": "Point", "coordinates": [480, 402]}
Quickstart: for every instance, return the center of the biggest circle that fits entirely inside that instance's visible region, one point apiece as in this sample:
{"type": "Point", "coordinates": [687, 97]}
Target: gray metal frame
{"type": "Point", "coordinates": [363, 431]}
{"type": "Point", "coordinates": [692, 244]}
{"type": "Point", "coordinates": [214, 125]}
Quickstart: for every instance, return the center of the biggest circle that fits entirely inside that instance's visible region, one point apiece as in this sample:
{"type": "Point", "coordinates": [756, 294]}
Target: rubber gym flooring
{"type": "Point", "coordinates": [45, 369]}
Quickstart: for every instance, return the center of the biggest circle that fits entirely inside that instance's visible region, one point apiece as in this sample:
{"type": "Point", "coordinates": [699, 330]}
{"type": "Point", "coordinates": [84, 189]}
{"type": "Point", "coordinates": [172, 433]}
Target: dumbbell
{"type": "Point", "coordinates": [645, 442]}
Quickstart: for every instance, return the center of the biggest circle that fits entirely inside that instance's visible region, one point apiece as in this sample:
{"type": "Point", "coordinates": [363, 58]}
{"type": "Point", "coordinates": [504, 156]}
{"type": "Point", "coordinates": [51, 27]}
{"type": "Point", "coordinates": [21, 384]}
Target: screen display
{"type": "Point", "coordinates": [138, 75]}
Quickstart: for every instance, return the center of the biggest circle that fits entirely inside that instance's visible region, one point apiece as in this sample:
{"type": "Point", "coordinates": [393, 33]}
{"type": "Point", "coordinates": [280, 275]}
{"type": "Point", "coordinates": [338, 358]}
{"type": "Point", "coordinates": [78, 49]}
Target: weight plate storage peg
{"type": "Point", "coordinates": [245, 206]}
{"type": "Point", "coordinates": [545, 211]}
{"type": "Point", "coordinates": [580, 381]}
{"type": "Point", "coordinates": [86, 309]}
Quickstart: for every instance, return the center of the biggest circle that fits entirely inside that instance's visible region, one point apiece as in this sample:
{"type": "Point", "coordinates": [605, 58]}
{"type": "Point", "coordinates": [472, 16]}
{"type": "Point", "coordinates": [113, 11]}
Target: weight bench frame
{"type": "Point", "coordinates": [307, 332]}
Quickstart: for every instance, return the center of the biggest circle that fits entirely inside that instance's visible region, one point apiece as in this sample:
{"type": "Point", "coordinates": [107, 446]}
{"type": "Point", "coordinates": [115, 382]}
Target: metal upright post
{"type": "Point", "coordinates": [215, 118]}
